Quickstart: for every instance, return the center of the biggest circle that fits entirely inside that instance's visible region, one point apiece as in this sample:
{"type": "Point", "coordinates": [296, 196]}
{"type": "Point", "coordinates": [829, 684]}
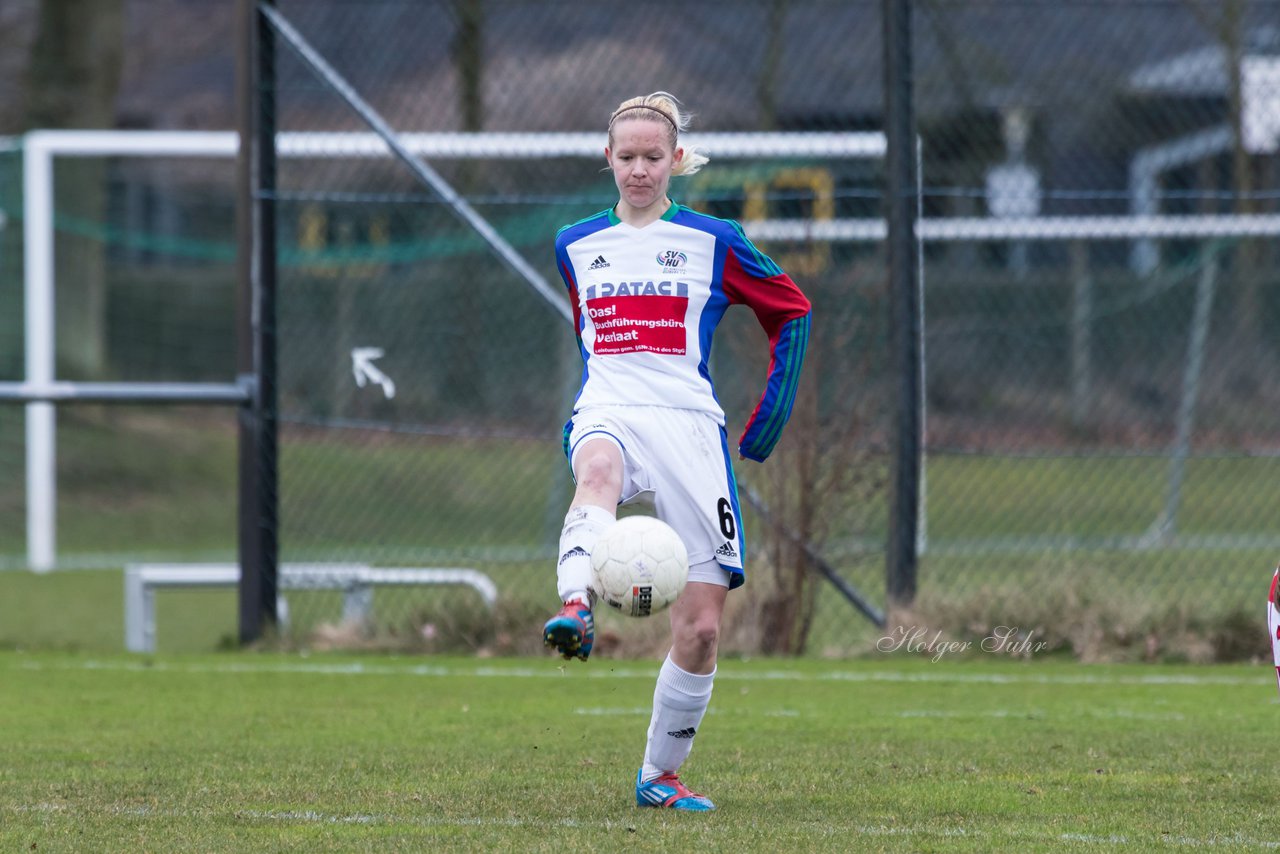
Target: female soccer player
{"type": "Point", "coordinates": [649, 281]}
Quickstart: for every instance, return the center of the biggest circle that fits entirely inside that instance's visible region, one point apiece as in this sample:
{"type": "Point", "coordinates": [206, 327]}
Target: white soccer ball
{"type": "Point", "coordinates": [639, 566]}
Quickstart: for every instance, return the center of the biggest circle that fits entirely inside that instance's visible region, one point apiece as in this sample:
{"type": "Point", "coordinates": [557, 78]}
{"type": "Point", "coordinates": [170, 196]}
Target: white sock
{"type": "Point", "coordinates": [583, 525]}
{"type": "Point", "coordinates": [679, 702]}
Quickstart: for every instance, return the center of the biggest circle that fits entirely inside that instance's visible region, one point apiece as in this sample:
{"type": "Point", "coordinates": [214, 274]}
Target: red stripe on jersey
{"type": "Point", "coordinates": [566, 272]}
{"type": "Point", "coordinates": [775, 300]}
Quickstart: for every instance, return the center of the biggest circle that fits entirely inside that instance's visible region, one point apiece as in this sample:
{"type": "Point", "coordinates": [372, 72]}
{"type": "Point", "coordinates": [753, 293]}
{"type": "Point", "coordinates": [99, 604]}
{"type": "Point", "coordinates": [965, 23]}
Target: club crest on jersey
{"type": "Point", "coordinates": [672, 260]}
{"type": "Point", "coordinates": [638, 289]}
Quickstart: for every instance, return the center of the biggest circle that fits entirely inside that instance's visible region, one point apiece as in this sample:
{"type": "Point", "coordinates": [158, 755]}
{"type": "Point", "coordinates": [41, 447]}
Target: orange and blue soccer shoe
{"type": "Point", "coordinates": [572, 631]}
{"type": "Point", "coordinates": [667, 791]}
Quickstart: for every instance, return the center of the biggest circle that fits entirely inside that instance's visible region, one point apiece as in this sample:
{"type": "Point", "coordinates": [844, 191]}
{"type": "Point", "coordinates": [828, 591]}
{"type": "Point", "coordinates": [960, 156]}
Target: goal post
{"type": "Point", "coordinates": [41, 389]}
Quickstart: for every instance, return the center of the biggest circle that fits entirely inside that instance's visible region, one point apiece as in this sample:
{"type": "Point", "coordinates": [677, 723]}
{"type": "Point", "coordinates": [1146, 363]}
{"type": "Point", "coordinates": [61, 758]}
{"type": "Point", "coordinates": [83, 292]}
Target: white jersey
{"type": "Point", "coordinates": [646, 302]}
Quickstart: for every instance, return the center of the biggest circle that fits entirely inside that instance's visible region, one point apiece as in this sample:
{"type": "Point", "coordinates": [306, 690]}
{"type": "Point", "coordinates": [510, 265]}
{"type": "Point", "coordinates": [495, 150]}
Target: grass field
{"type": "Point", "coordinates": [136, 482]}
{"type": "Point", "coordinates": [144, 485]}
{"type": "Point", "coordinates": [83, 611]}
{"type": "Point", "coordinates": [266, 752]}
{"type": "Point", "coordinates": [1095, 610]}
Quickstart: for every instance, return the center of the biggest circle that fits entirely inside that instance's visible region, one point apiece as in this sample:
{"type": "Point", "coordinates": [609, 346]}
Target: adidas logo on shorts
{"type": "Point", "coordinates": [599, 263]}
{"type": "Point", "coordinates": [726, 550]}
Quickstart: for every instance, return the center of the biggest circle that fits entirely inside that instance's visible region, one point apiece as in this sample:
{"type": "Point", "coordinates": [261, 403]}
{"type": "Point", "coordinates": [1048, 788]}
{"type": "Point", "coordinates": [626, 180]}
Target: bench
{"type": "Point", "coordinates": [355, 580]}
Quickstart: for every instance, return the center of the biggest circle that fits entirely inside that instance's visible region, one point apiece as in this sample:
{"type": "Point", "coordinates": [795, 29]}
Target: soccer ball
{"type": "Point", "coordinates": [639, 566]}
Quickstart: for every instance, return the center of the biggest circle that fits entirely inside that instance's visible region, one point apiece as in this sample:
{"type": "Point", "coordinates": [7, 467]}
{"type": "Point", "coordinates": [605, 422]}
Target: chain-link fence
{"type": "Point", "coordinates": [463, 464]}
{"type": "Point", "coordinates": [1099, 381]}
{"type": "Point", "coordinates": [12, 527]}
{"type": "Point", "coordinates": [1099, 193]}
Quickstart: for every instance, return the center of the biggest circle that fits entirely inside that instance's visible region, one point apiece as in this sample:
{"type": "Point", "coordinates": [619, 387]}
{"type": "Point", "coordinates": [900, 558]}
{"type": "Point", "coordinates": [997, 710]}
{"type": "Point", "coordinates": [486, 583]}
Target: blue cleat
{"type": "Point", "coordinates": [572, 631]}
{"type": "Point", "coordinates": [667, 791]}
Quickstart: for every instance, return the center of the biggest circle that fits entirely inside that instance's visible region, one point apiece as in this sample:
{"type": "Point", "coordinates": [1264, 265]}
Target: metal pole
{"type": "Point", "coordinates": [816, 561]}
{"type": "Point", "coordinates": [424, 173]}
{"type": "Point", "coordinates": [41, 426]}
{"type": "Point", "coordinates": [1081, 334]}
{"type": "Point", "coordinates": [904, 300]}
{"type": "Point", "coordinates": [96, 392]}
{"type": "Point", "coordinates": [256, 322]}
{"type": "Point", "coordinates": [1167, 527]}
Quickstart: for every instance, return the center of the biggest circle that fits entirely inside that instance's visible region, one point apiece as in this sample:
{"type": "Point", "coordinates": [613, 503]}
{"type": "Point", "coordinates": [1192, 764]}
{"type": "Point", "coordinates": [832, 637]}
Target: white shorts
{"type": "Point", "coordinates": [679, 460]}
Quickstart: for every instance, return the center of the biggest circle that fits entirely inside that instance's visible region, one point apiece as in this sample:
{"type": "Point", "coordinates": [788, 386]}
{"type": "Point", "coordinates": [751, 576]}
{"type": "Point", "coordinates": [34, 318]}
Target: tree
{"type": "Point", "coordinates": [1225, 21]}
{"type": "Point", "coordinates": [826, 479]}
{"type": "Point", "coordinates": [468, 57]}
{"type": "Point", "coordinates": [72, 81]}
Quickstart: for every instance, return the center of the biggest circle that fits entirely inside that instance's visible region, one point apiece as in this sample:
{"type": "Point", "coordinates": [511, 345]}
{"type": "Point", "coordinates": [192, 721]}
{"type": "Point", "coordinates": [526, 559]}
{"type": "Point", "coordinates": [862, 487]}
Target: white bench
{"type": "Point", "coordinates": [355, 580]}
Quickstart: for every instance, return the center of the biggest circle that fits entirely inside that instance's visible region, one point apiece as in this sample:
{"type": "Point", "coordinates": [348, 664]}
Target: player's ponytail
{"type": "Point", "coordinates": [662, 107]}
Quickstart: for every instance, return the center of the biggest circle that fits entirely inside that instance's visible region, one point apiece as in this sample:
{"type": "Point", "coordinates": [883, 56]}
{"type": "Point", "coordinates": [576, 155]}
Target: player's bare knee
{"type": "Point", "coordinates": [698, 637]}
{"type": "Point", "coordinates": [599, 473]}
{"type": "Point", "coordinates": [706, 636]}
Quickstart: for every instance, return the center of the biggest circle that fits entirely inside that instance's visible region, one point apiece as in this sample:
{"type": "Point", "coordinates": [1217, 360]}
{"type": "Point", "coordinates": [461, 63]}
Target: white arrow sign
{"type": "Point", "coordinates": [366, 372]}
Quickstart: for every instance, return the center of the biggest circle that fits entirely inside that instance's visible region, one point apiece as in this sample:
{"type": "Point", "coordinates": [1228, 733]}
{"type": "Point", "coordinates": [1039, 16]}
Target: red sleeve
{"type": "Point", "coordinates": [783, 312]}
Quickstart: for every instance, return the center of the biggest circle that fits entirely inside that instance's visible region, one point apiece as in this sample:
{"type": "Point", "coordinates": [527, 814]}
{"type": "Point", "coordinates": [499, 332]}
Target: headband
{"type": "Point", "coordinates": [662, 113]}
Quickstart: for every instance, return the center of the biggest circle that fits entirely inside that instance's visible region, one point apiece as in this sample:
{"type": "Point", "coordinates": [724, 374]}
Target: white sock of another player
{"type": "Point", "coordinates": [679, 702]}
{"type": "Point", "coordinates": [583, 525]}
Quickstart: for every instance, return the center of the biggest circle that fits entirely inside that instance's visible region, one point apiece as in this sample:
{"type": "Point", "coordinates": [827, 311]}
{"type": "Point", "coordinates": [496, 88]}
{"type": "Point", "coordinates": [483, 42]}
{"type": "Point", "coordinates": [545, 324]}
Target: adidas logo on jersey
{"type": "Point", "coordinates": [599, 263]}
{"type": "Point", "coordinates": [683, 733]}
{"type": "Point", "coordinates": [726, 550]}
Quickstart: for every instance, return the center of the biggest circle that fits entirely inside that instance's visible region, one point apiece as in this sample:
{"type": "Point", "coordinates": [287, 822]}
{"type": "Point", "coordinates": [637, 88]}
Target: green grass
{"type": "Point", "coordinates": [83, 611]}
{"type": "Point", "coordinates": [239, 752]}
{"type": "Point", "coordinates": [1093, 497]}
{"type": "Point", "coordinates": [1147, 614]}
{"type": "Point", "coordinates": [144, 482]}
{"type": "Point", "coordinates": [148, 485]}
{"type": "Point", "coordinates": [130, 482]}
